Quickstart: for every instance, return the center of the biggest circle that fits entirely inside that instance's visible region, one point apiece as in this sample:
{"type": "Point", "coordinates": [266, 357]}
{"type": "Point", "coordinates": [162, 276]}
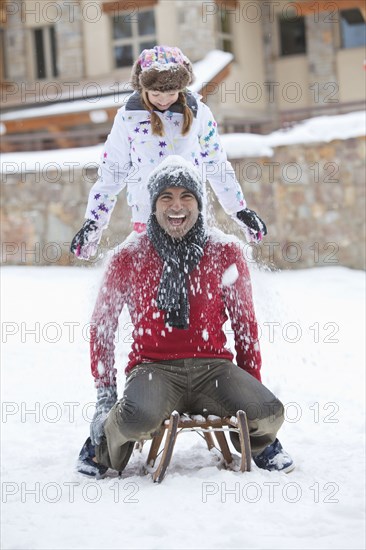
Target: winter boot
{"type": "Point", "coordinates": [86, 465]}
{"type": "Point", "coordinates": [274, 458]}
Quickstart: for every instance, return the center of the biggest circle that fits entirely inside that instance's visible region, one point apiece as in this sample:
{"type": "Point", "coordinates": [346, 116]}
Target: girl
{"type": "Point", "coordinates": [159, 119]}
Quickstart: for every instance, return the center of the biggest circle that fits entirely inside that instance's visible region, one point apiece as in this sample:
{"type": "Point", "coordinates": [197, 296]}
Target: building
{"type": "Point", "coordinates": [291, 60]}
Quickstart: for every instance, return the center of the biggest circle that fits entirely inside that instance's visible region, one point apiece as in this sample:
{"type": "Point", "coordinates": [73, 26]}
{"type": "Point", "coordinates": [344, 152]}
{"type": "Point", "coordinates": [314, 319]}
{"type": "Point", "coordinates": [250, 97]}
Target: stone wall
{"type": "Point", "coordinates": [42, 211]}
{"type": "Point", "coordinates": [312, 198]}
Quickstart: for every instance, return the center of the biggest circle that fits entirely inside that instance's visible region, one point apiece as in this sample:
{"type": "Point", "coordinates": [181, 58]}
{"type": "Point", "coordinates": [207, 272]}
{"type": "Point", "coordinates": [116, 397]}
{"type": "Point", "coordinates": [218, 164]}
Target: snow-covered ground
{"type": "Point", "coordinates": [312, 341]}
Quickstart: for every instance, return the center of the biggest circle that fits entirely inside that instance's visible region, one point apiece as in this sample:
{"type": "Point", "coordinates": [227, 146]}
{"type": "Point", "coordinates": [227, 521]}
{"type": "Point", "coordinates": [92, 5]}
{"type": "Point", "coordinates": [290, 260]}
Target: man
{"type": "Point", "coordinates": [178, 280]}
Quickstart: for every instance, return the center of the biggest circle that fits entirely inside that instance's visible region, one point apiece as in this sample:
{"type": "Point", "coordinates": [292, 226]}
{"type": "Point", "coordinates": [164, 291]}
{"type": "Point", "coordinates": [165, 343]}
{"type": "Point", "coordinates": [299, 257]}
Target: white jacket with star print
{"type": "Point", "coordinates": [131, 152]}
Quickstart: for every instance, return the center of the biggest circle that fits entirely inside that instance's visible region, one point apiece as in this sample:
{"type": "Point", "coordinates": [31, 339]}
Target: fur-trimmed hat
{"type": "Point", "coordinates": [163, 69]}
{"type": "Point", "coordinates": [175, 171]}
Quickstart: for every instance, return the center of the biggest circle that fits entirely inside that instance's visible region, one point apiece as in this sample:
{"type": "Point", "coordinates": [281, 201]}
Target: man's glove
{"type": "Point", "coordinates": [106, 398]}
{"type": "Point", "coordinates": [254, 227]}
{"type": "Point", "coordinates": [85, 243]}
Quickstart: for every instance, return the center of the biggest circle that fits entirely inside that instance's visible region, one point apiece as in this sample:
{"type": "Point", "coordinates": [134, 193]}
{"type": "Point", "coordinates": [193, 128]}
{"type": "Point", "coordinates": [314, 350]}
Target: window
{"type": "Point", "coordinates": [44, 40]}
{"type": "Point", "coordinates": [292, 36]}
{"type": "Point", "coordinates": [353, 29]}
{"type": "Point", "coordinates": [132, 33]}
{"type": "Point", "coordinates": [225, 38]}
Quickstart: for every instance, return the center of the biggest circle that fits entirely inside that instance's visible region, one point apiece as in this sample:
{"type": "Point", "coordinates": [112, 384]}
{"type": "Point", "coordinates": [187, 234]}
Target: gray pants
{"type": "Point", "coordinates": [195, 386]}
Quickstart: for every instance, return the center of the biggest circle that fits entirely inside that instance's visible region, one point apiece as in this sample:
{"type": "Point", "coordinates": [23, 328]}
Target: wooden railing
{"type": "Point", "coordinates": [92, 134]}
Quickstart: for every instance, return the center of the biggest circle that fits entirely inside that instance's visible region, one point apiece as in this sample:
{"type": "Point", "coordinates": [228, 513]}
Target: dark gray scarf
{"type": "Point", "coordinates": [180, 257]}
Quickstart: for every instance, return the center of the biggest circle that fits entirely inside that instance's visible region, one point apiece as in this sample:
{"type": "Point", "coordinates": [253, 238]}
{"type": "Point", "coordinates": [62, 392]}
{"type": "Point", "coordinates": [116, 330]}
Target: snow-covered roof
{"type": "Point", "coordinates": [210, 66]}
{"type": "Point", "coordinates": [313, 130]}
{"type": "Point", "coordinates": [56, 159]}
{"type": "Point", "coordinates": [318, 129]}
{"type": "Point", "coordinates": [87, 104]}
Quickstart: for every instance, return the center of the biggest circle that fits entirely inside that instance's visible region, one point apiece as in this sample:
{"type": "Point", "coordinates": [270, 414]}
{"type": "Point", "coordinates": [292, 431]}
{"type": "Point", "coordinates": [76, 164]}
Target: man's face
{"type": "Point", "coordinates": [176, 211]}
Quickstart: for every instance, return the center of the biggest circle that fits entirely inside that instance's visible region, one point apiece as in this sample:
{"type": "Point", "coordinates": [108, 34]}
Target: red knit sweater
{"type": "Point", "coordinates": [219, 285]}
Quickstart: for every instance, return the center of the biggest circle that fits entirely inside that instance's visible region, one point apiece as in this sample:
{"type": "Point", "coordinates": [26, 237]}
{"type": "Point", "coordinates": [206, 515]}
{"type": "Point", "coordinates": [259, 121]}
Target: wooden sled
{"type": "Point", "coordinates": [209, 427]}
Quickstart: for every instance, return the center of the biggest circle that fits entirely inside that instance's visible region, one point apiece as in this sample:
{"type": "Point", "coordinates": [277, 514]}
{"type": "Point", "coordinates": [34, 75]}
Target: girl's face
{"type": "Point", "coordinates": [162, 100]}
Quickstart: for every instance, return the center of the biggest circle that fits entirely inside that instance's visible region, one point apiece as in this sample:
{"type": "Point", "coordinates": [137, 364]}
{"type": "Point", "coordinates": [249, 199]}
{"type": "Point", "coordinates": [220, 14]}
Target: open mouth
{"type": "Point", "coordinates": [177, 221]}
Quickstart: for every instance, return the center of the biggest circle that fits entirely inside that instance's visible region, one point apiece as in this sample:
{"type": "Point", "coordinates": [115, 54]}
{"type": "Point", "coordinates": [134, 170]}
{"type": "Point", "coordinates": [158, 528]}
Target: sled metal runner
{"type": "Point", "coordinates": [211, 428]}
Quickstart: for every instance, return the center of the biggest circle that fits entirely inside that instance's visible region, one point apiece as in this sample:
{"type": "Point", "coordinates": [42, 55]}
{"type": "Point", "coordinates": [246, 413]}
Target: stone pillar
{"type": "Point", "coordinates": [15, 46]}
{"type": "Point", "coordinates": [269, 62]}
{"type": "Point", "coordinates": [69, 38]}
{"type": "Point", "coordinates": [197, 29]}
{"type": "Point", "coordinates": [321, 54]}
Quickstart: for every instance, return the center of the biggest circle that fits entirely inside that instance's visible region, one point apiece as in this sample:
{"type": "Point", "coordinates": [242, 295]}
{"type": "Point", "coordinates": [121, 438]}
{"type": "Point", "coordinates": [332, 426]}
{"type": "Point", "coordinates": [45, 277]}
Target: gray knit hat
{"type": "Point", "coordinates": [175, 171]}
{"type": "Point", "coordinates": [163, 69]}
